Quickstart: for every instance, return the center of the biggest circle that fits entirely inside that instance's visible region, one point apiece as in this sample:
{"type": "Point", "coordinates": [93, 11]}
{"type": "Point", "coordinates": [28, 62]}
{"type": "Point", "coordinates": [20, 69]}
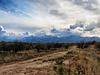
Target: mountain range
{"type": "Point", "coordinates": [55, 39]}
{"type": "Point", "coordinates": [51, 39]}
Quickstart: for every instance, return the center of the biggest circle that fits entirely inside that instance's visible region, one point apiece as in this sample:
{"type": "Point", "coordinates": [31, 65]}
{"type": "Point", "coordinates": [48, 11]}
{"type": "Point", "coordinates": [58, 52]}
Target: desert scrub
{"type": "Point", "coordinates": [85, 59]}
{"type": "Point", "coordinates": [97, 45]}
{"type": "Point", "coordinates": [55, 68]}
{"type": "Point", "coordinates": [80, 72]}
{"type": "Point", "coordinates": [70, 51]}
{"type": "Point", "coordinates": [68, 70]}
{"type": "Point", "coordinates": [74, 72]}
{"type": "Point", "coordinates": [59, 62]}
{"type": "Point", "coordinates": [58, 69]}
{"type": "Point", "coordinates": [61, 70]}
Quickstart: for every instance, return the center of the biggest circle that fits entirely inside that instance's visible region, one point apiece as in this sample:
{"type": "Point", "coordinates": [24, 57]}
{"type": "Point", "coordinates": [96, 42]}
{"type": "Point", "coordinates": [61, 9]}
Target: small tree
{"type": "Point", "coordinates": [55, 68]}
{"type": "Point", "coordinates": [68, 70]}
{"type": "Point", "coordinates": [3, 45]}
{"type": "Point", "coordinates": [81, 44]}
{"type": "Point", "coordinates": [60, 70]}
{"type": "Point", "coordinates": [97, 45]}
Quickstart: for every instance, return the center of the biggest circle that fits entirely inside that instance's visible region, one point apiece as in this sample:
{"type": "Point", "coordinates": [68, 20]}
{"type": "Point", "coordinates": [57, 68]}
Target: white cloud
{"type": "Point", "coordinates": [60, 14]}
{"type": "Point", "coordinates": [2, 31]}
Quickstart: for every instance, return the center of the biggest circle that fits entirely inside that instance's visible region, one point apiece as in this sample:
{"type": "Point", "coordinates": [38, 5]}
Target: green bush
{"type": "Point", "coordinates": [60, 69]}
{"type": "Point", "coordinates": [90, 42]}
{"type": "Point", "coordinates": [82, 45]}
{"type": "Point", "coordinates": [85, 59]}
{"type": "Point", "coordinates": [49, 46]}
{"type": "Point", "coordinates": [68, 70]}
{"type": "Point", "coordinates": [97, 45]}
{"type": "Point", "coordinates": [57, 45]}
{"type": "Point", "coordinates": [59, 62]}
{"type": "Point", "coordinates": [74, 72]}
{"type": "Point", "coordinates": [55, 68]}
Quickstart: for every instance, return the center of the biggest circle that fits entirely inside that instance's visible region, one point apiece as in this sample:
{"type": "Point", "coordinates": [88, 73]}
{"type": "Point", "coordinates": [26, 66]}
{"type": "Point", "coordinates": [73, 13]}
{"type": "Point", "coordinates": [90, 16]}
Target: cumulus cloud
{"type": "Point", "coordinates": [68, 17]}
{"type": "Point", "coordinates": [14, 36]}
{"type": "Point", "coordinates": [2, 31]}
{"type": "Point", "coordinates": [53, 30]}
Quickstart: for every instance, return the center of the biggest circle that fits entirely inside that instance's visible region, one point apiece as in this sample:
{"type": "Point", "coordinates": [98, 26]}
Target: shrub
{"type": "Point", "coordinates": [90, 42]}
{"type": "Point", "coordinates": [82, 44]}
{"type": "Point", "coordinates": [66, 45]}
{"type": "Point", "coordinates": [81, 71]}
{"type": "Point", "coordinates": [93, 42]}
{"type": "Point", "coordinates": [49, 46]}
{"type": "Point", "coordinates": [40, 46]}
{"type": "Point", "coordinates": [85, 59]}
{"type": "Point", "coordinates": [70, 51]}
{"type": "Point", "coordinates": [68, 70]}
{"type": "Point", "coordinates": [55, 68]}
{"type": "Point", "coordinates": [60, 69]}
{"type": "Point", "coordinates": [3, 45]}
{"type": "Point", "coordinates": [74, 73]}
{"type": "Point", "coordinates": [59, 62]}
{"type": "Point", "coordinates": [97, 45]}
{"type": "Point", "coordinates": [57, 45]}
{"type": "Point", "coordinates": [18, 46]}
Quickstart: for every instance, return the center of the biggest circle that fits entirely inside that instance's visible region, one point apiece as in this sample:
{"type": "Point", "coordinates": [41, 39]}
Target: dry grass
{"type": "Point", "coordinates": [7, 57]}
{"type": "Point", "coordinates": [79, 61]}
{"type": "Point", "coordinates": [52, 57]}
{"type": "Point", "coordinates": [76, 61]}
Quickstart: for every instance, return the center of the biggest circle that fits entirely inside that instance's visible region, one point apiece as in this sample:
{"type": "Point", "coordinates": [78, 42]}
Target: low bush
{"type": "Point", "coordinates": [70, 51]}
{"type": "Point", "coordinates": [55, 68]}
{"type": "Point", "coordinates": [67, 45]}
{"type": "Point", "coordinates": [97, 45]}
{"type": "Point", "coordinates": [80, 72]}
{"type": "Point", "coordinates": [60, 69]}
{"type": "Point", "coordinates": [82, 45]}
{"type": "Point", "coordinates": [68, 70]}
{"type": "Point", "coordinates": [59, 62]}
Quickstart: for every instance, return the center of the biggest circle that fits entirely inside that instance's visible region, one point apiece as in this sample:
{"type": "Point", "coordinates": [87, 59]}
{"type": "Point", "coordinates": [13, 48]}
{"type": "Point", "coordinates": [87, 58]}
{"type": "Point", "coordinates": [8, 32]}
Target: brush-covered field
{"type": "Point", "coordinates": [20, 58]}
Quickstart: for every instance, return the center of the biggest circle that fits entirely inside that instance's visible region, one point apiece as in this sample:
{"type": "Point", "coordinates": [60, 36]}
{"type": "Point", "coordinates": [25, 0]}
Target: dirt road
{"type": "Point", "coordinates": [22, 67]}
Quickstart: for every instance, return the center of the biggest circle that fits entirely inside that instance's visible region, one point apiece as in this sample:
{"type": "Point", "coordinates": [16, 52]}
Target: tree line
{"type": "Point", "coordinates": [20, 46]}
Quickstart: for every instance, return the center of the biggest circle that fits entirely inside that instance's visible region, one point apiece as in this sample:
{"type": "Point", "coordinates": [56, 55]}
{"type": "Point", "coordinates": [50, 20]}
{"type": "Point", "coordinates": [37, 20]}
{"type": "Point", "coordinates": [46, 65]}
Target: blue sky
{"type": "Point", "coordinates": [50, 17]}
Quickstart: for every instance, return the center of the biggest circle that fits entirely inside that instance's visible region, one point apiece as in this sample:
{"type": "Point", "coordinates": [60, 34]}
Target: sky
{"type": "Point", "coordinates": [50, 17]}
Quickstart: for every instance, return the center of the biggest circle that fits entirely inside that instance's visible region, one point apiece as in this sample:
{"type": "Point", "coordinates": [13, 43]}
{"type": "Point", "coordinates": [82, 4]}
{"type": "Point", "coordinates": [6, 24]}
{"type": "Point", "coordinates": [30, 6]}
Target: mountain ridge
{"type": "Point", "coordinates": [51, 39]}
{"type": "Point", "coordinates": [55, 39]}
